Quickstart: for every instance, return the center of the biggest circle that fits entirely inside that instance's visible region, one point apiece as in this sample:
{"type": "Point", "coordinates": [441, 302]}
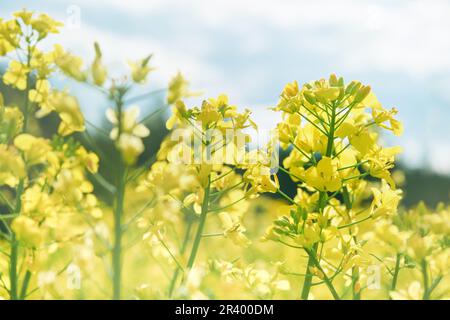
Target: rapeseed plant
{"type": "Point", "coordinates": [188, 224]}
{"type": "Point", "coordinates": [127, 132]}
{"type": "Point", "coordinates": [328, 127]}
{"type": "Point", "coordinates": [45, 185]}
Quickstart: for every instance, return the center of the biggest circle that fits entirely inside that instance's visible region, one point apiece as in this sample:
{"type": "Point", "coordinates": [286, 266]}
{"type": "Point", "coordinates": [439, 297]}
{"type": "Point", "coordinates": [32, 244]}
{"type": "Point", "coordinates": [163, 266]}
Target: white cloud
{"type": "Point", "coordinates": [413, 152]}
{"type": "Point", "coordinates": [409, 36]}
{"type": "Point", "coordinates": [118, 49]}
{"type": "Point", "coordinates": [408, 39]}
{"type": "Point", "coordinates": [440, 156]}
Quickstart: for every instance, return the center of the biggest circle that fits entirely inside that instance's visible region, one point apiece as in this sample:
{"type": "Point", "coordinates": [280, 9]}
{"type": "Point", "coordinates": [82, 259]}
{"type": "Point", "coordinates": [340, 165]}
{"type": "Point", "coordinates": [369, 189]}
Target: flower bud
{"type": "Point", "coordinates": [362, 94]}
{"type": "Point", "coordinates": [333, 80]}
{"type": "Point", "coordinates": [352, 87]}
{"type": "Point", "coordinates": [99, 72]}
{"type": "Point", "coordinates": [291, 89]}
{"type": "Point", "coordinates": [140, 70]}
{"type": "Point", "coordinates": [309, 96]}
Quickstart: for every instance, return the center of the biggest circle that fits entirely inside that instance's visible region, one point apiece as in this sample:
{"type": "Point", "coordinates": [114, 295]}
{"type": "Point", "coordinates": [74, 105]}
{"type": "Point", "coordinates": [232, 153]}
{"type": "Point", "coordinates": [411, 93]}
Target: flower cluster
{"type": "Point", "coordinates": [43, 182]}
{"type": "Point", "coordinates": [331, 131]}
{"type": "Point", "coordinates": [30, 68]}
{"type": "Point", "coordinates": [197, 177]}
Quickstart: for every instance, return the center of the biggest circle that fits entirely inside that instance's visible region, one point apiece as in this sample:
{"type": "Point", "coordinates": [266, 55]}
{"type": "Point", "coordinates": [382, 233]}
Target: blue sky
{"type": "Point", "coordinates": [251, 48]}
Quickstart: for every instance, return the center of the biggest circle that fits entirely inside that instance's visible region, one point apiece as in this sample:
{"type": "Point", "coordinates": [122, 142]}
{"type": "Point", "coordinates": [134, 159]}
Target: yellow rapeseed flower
{"type": "Point", "coordinates": [16, 75]}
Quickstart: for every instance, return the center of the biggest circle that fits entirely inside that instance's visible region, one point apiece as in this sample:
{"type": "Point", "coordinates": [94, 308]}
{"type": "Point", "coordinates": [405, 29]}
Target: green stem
{"type": "Point", "coordinates": [346, 198]}
{"type": "Point", "coordinates": [355, 223]}
{"type": "Point", "coordinates": [341, 151]}
{"type": "Point", "coordinates": [13, 276]}
{"type": "Point", "coordinates": [28, 85]}
{"type": "Point", "coordinates": [117, 248]}
{"type": "Point", "coordinates": [182, 250]}
{"type": "Point", "coordinates": [353, 165]}
{"type": "Point", "coordinates": [312, 122]}
{"type": "Point", "coordinates": [222, 175]}
{"type": "Point", "coordinates": [342, 119]}
{"type": "Point", "coordinates": [356, 177]}
{"type": "Point", "coordinates": [330, 143]}
{"type": "Point", "coordinates": [25, 283]}
{"type": "Point", "coordinates": [327, 280]}
{"type": "Point", "coordinates": [356, 291]}
{"type": "Point", "coordinates": [426, 285]}
{"type": "Point", "coordinates": [355, 280]}
{"type": "Point", "coordinates": [198, 236]}
{"type": "Point", "coordinates": [308, 277]}
{"type": "Point", "coordinates": [145, 95]}
{"type": "Point", "coordinates": [118, 213]}
{"type": "Point", "coordinates": [284, 195]}
{"type": "Point", "coordinates": [435, 284]}
{"type": "Point", "coordinates": [7, 202]}
{"type": "Point", "coordinates": [14, 255]}
{"type": "Point", "coordinates": [322, 202]}
{"type": "Point", "coordinates": [290, 174]}
{"type": "Point", "coordinates": [213, 235]}
{"type": "Point", "coordinates": [396, 272]}
{"type": "Point", "coordinates": [228, 205]}
{"type": "Point", "coordinates": [301, 151]}
{"type": "Point", "coordinates": [221, 192]}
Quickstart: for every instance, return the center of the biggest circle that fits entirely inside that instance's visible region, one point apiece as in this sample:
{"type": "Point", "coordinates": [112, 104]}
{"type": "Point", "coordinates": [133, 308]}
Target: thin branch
{"type": "Point", "coordinates": [355, 223]}
{"type": "Point", "coordinates": [144, 96]}
{"type": "Point", "coordinates": [300, 150]}
{"type": "Point", "coordinates": [228, 205]}
{"type": "Point", "coordinates": [139, 213]}
{"type": "Point", "coordinates": [311, 122]}
{"type": "Point", "coordinates": [100, 130]}
{"type": "Point", "coordinates": [211, 235]}
{"type": "Point", "coordinates": [6, 201]}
